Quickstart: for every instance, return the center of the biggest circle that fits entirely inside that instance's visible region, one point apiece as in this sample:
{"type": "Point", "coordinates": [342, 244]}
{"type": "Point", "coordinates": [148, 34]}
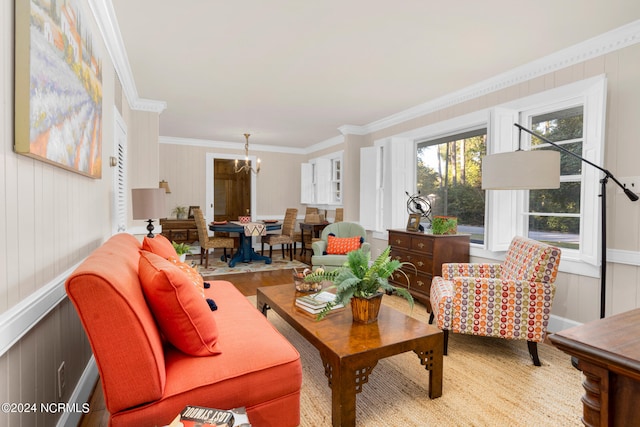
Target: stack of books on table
{"type": "Point", "coordinates": [315, 303]}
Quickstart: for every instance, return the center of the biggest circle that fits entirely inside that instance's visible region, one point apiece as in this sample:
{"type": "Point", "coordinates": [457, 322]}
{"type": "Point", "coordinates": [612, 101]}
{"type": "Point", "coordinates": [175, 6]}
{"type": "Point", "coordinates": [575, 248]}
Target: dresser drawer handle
{"type": "Point", "coordinates": [420, 263]}
{"type": "Point", "coordinates": [421, 245]}
{"type": "Point", "coordinates": [408, 256]}
{"type": "Point", "coordinates": [398, 241]}
{"type": "Point", "coordinates": [420, 283]}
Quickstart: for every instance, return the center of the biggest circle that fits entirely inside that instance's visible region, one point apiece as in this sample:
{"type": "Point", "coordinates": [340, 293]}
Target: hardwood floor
{"type": "Point", "coordinates": [247, 283]}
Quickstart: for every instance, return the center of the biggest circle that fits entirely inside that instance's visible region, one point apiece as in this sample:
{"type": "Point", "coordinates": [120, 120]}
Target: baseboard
{"type": "Point", "coordinates": [81, 394]}
{"type": "Point", "coordinates": [557, 324]}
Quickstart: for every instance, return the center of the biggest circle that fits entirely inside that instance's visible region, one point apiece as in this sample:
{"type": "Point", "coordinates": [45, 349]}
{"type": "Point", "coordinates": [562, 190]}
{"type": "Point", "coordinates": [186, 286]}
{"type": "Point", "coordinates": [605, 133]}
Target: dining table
{"type": "Point", "coordinates": [245, 252]}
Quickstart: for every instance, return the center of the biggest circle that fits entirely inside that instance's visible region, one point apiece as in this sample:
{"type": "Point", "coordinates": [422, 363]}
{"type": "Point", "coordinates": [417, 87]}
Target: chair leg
{"type": "Point", "coordinates": [533, 352]}
{"type": "Point", "coordinates": [446, 341]}
{"type": "Point", "coordinates": [262, 249]}
{"type": "Point", "coordinates": [206, 259]}
{"type": "Point", "coordinates": [201, 255]}
{"type": "Point", "coordinates": [224, 253]}
{"type": "Point", "coordinates": [282, 250]}
{"type": "Point", "coordinates": [431, 316]}
{"type": "Point", "coordinates": [291, 250]}
{"type": "Point", "coordinates": [270, 251]}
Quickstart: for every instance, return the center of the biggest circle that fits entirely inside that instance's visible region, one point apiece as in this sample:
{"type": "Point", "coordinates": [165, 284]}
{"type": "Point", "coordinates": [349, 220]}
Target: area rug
{"type": "Point", "coordinates": [217, 267]}
{"type": "Point", "coordinates": [486, 382]}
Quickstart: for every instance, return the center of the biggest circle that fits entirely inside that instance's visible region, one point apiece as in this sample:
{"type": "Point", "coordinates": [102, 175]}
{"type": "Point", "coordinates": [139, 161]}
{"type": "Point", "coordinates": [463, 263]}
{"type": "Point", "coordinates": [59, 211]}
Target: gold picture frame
{"type": "Point", "coordinates": [413, 224]}
{"type": "Point", "coordinates": [58, 85]}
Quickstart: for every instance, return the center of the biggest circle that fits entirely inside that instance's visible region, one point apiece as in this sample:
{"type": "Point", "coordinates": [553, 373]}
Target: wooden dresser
{"type": "Point", "coordinates": [179, 230]}
{"type": "Point", "coordinates": [607, 351]}
{"type": "Point", "coordinates": [427, 252]}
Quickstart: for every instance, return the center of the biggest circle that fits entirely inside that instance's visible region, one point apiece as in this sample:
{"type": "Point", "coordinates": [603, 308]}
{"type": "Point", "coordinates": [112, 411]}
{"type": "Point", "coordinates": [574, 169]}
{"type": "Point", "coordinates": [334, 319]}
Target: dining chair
{"type": "Point", "coordinates": [210, 242]}
{"type": "Point", "coordinates": [285, 237]}
{"type": "Point", "coordinates": [339, 215]}
{"type": "Point", "coordinates": [311, 215]}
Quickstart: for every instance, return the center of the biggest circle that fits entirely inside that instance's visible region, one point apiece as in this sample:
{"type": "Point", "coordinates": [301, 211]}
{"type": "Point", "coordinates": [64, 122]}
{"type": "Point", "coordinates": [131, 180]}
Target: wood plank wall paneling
{"type": "Point", "coordinates": [50, 219]}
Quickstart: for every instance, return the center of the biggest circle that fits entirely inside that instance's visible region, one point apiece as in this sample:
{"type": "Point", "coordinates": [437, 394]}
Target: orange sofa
{"type": "Point", "coordinates": [146, 381]}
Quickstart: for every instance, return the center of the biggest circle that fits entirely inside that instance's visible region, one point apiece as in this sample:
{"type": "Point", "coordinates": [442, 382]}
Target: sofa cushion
{"type": "Point", "coordinates": [342, 245]}
{"type": "Point", "coordinates": [159, 245]}
{"type": "Point", "coordinates": [183, 315]}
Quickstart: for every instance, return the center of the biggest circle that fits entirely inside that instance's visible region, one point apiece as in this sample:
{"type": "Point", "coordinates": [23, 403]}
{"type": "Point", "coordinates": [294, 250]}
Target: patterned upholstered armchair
{"type": "Point", "coordinates": [511, 300]}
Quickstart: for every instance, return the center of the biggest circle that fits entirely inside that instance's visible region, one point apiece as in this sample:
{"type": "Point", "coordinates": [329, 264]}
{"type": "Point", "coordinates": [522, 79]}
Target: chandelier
{"type": "Point", "coordinates": [246, 167]}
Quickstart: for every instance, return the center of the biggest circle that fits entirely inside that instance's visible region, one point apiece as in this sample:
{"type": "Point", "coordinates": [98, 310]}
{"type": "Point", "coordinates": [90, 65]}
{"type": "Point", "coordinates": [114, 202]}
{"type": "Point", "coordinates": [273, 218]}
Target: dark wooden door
{"type": "Point", "coordinates": [232, 191]}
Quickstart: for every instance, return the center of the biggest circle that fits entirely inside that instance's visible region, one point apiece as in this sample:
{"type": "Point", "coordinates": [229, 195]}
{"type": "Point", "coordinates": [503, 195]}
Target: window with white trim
{"type": "Point", "coordinates": [448, 175]}
{"type": "Point", "coordinates": [573, 116]}
{"type": "Point", "coordinates": [321, 180]}
{"type": "Point", "coordinates": [555, 112]}
{"type": "Point", "coordinates": [554, 214]}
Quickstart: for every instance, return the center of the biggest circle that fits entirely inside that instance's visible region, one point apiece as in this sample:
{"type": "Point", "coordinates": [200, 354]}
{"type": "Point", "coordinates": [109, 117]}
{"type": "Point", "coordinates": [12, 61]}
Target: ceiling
{"type": "Point", "coordinates": [292, 72]}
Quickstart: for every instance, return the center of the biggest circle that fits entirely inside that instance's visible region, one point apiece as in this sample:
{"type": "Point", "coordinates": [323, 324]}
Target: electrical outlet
{"type": "Point", "coordinates": [61, 381]}
{"type": "Point", "coordinates": [632, 183]}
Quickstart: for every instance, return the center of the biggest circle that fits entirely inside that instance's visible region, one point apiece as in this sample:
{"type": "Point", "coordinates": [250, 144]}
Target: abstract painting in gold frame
{"type": "Point", "coordinates": [58, 78]}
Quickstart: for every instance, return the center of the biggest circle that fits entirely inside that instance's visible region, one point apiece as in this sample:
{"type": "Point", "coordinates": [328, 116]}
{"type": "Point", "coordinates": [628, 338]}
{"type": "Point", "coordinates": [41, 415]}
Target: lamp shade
{"type": "Point", "coordinates": [148, 203]}
{"type": "Point", "coordinates": [521, 170]}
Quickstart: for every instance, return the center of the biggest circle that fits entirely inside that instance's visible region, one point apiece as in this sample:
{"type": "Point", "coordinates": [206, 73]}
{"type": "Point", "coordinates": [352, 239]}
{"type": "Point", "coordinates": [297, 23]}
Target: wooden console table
{"type": "Point", "coordinates": [179, 230]}
{"type": "Point", "coordinates": [608, 354]}
{"type": "Point", "coordinates": [427, 252]}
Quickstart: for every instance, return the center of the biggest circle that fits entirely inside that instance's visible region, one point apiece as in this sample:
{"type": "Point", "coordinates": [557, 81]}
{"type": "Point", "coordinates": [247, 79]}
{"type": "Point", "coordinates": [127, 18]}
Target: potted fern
{"type": "Point", "coordinates": [361, 284]}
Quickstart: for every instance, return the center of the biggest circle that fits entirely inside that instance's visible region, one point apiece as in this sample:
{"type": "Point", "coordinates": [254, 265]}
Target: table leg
{"type": "Point", "coordinates": [432, 361]}
{"type": "Point", "coordinates": [345, 382]}
{"type": "Point", "coordinates": [302, 249]}
{"type": "Point", "coordinates": [246, 253]}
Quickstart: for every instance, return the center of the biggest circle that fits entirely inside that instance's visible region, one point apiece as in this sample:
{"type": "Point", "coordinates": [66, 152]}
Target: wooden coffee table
{"type": "Point", "coordinates": [349, 351]}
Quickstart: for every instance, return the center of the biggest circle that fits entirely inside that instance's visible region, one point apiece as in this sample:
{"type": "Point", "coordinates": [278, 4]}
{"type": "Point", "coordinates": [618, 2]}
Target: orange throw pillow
{"type": "Point", "coordinates": [192, 273]}
{"type": "Point", "coordinates": [159, 245]}
{"type": "Point", "coordinates": [183, 316]}
{"type": "Point", "coordinates": [342, 245]}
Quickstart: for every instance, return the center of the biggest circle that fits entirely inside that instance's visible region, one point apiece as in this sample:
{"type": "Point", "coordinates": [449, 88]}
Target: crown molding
{"type": "Point", "coordinates": [611, 41]}
{"type": "Point", "coordinates": [194, 142]}
{"type": "Point", "coordinates": [323, 145]}
{"type": "Point", "coordinates": [352, 130]}
{"type": "Point", "coordinates": [108, 25]}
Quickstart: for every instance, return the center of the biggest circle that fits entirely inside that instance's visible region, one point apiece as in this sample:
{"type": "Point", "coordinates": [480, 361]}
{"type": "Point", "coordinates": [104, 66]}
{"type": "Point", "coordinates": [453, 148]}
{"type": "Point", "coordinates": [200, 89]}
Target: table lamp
{"type": "Point", "coordinates": [148, 203]}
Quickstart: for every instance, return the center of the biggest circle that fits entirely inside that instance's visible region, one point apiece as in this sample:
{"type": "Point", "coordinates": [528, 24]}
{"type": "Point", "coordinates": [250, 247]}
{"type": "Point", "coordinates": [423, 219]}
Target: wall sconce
{"type": "Point", "coordinates": [164, 184]}
{"type": "Point", "coordinates": [113, 161]}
